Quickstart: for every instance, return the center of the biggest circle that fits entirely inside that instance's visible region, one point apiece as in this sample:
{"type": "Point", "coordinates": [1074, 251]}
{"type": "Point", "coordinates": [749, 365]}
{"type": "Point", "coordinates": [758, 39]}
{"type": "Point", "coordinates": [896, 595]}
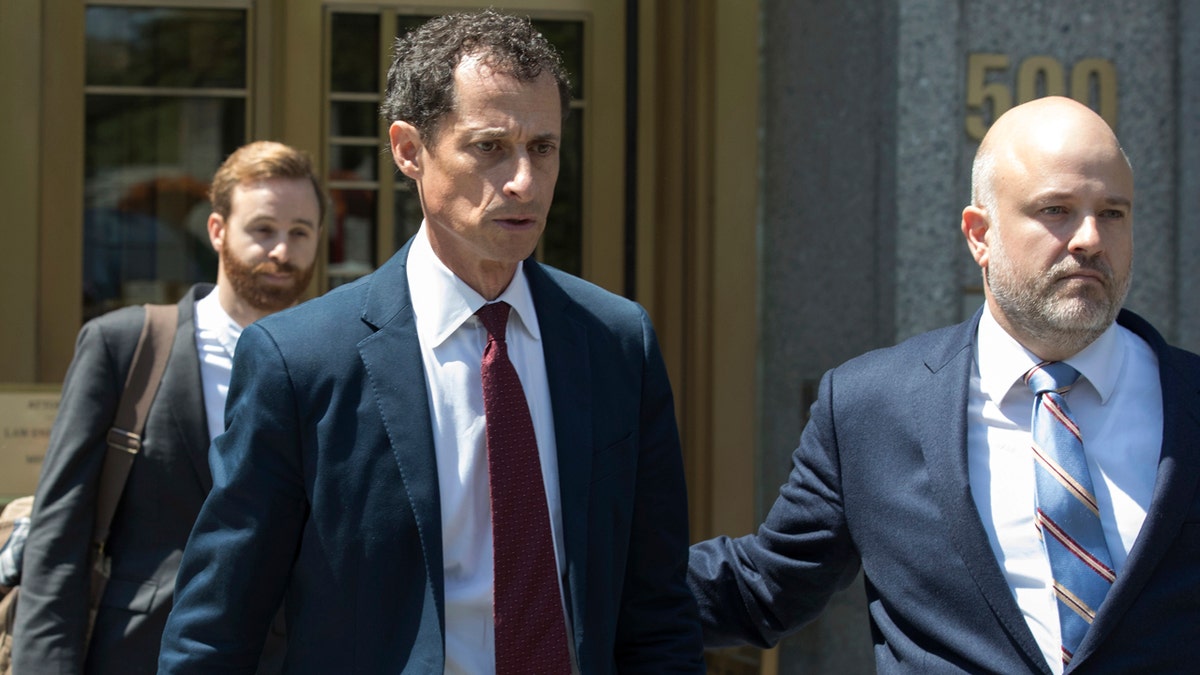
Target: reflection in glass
{"type": "Point", "coordinates": [351, 235]}
{"type": "Point", "coordinates": [148, 163]}
{"type": "Point", "coordinates": [353, 162]}
{"type": "Point", "coordinates": [160, 47]}
{"type": "Point", "coordinates": [165, 103]}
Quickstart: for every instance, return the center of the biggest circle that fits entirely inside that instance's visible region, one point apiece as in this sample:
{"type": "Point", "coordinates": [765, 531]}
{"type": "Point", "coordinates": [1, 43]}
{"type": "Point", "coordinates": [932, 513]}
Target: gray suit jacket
{"type": "Point", "coordinates": [166, 487]}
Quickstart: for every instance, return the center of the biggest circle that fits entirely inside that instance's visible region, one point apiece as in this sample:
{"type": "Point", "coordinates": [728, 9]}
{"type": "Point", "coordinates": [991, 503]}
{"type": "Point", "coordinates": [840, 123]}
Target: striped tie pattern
{"type": "Point", "coordinates": [1067, 517]}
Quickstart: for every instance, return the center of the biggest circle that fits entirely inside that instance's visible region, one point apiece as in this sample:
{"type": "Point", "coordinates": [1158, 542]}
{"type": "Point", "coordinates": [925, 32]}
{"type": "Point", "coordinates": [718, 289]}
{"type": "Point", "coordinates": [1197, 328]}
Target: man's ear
{"type": "Point", "coordinates": [406, 148]}
{"type": "Point", "coordinates": [216, 231]}
{"type": "Point", "coordinates": [975, 226]}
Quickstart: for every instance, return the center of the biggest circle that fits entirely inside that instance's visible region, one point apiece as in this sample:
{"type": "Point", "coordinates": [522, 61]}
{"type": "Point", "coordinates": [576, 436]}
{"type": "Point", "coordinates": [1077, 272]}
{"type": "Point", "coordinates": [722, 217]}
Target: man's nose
{"type": "Point", "coordinates": [278, 249]}
{"type": "Point", "coordinates": [1085, 240]}
{"type": "Point", "coordinates": [520, 183]}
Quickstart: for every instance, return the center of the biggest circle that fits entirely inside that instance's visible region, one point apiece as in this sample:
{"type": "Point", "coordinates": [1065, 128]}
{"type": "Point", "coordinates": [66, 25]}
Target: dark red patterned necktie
{"type": "Point", "coordinates": [531, 632]}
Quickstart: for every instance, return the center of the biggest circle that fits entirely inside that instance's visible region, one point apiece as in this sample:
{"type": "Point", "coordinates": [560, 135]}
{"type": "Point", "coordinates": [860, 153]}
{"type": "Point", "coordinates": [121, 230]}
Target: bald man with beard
{"type": "Point", "coordinates": [923, 464]}
{"type": "Point", "coordinates": [265, 226]}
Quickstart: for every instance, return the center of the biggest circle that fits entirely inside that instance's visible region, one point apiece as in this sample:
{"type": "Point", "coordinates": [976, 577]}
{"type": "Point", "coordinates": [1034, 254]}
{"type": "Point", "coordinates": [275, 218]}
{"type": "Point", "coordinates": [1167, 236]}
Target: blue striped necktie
{"type": "Point", "coordinates": [1067, 517]}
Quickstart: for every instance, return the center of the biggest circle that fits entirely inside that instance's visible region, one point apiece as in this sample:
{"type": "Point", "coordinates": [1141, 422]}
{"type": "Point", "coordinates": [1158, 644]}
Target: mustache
{"type": "Point", "coordinates": [272, 267]}
{"type": "Point", "coordinates": [1076, 263]}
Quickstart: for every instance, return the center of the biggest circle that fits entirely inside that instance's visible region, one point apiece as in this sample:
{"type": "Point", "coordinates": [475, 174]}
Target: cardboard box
{"type": "Point", "coordinates": [26, 415]}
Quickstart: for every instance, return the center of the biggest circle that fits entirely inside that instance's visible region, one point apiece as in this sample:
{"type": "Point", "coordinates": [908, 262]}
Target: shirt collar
{"type": "Point", "coordinates": [1007, 360]}
{"type": "Point", "coordinates": [442, 302]}
{"type": "Point", "coordinates": [213, 322]}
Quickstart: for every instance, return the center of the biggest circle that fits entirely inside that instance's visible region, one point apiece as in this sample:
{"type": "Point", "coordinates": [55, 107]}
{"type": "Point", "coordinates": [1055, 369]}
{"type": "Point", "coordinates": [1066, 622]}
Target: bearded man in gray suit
{"type": "Point", "coordinates": [265, 226]}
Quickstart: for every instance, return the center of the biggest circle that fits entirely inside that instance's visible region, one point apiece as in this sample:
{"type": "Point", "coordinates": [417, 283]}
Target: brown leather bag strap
{"type": "Point", "coordinates": [125, 436]}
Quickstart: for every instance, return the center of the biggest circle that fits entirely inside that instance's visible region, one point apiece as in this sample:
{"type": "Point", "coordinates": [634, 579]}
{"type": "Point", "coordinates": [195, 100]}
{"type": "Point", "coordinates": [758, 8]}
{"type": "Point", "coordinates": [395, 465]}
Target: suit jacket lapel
{"type": "Point", "coordinates": [186, 393]}
{"type": "Point", "coordinates": [1175, 487]}
{"type": "Point", "coordinates": [395, 373]}
{"type": "Point", "coordinates": [565, 348]}
{"type": "Point", "coordinates": [949, 365]}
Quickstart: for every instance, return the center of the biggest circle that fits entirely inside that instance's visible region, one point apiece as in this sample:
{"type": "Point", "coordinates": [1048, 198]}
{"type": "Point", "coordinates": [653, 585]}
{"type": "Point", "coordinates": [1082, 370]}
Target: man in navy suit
{"type": "Point", "coordinates": [353, 482]}
{"type": "Point", "coordinates": [918, 462]}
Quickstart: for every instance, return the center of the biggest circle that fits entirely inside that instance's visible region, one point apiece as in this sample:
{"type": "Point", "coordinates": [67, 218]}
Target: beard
{"type": "Point", "coordinates": [1050, 312]}
{"type": "Point", "coordinates": [248, 284]}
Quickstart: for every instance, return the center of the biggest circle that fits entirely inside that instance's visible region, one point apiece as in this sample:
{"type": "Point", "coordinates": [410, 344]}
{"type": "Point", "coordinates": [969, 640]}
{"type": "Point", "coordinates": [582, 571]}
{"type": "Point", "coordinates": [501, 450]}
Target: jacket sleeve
{"type": "Point", "coordinates": [236, 565]}
{"type": "Point", "coordinates": [52, 613]}
{"type": "Point", "coordinates": [757, 588]}
{"type": "Point", "coordinates": [657, 630]}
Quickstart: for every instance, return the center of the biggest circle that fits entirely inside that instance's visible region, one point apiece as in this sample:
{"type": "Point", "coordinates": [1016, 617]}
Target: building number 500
{"type": "Point", "coordinates": [1093, 82]}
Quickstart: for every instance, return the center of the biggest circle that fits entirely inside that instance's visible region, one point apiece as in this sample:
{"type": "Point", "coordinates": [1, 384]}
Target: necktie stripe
{"type": "Point", "coordinates": [1051, 405]}
{"type": "Point", "coordinates": [1068, 481]}
{"type": "Point", "coordinates": [1098, 566]}
{"type": "Point", "coordinates": [1074, 602]}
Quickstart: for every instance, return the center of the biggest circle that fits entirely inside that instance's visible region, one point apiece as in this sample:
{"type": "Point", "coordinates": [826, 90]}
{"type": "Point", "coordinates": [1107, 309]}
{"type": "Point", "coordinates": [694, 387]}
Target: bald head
{"type": "Point", "coordinates": [1046, 131]}
{"type": "Point", "coordinates": [1051, 226]}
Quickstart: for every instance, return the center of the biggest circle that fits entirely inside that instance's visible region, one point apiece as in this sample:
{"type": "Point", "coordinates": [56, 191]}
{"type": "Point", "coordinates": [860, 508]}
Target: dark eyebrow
{"type": "Point", "coordinates": [491, 134]}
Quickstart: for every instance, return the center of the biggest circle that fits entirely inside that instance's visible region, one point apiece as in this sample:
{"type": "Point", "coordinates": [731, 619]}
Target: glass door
{"type": "Point", "coordinates": [165, 98]}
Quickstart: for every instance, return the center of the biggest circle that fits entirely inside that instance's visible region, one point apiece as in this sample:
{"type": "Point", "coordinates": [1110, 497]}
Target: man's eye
{"type": "Point", "coordinates": [543, 148]}
{"type": "Point", "coordinates": [1054, 210]}
{"type": "Point", "coordinates": [487, 146]}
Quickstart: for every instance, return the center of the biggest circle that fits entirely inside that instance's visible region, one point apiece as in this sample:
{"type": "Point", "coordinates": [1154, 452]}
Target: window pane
{"type": "Point", "coordinates": [353, 162]}
{"type": "Point", "coordinates": [407, 22]}
{"type": "Point", "coordinates": [407, 215]}
{"type": "Point", "coordinates": [562, 243]}
{"type": "Point", "coordinates": [567, 37]}
{"type": "Point", "coordinates": [158, 47]}
{"type": "Point", "coordinates": [355, 49]}
{"type": "Point", "coordinates": [354, 118]}
{"type": "Point", "coordinates": [148, 162]}
{"type": "Point", "coordinates": [352, 235]}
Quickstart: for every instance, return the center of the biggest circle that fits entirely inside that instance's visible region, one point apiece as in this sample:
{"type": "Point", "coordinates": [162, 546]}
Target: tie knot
{"type": "Point", "coordinates": [1051, 376]}
{"type": "Point", "coordinates": [495, 319]}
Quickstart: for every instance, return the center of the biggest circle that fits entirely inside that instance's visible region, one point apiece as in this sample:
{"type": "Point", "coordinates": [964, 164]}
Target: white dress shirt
{"type": "Point", "coordinates": [216, 338]}
{"type": "Point", "coordinates": [452, 340]}
{"type": "Point", "coordinates": [1117, 403]}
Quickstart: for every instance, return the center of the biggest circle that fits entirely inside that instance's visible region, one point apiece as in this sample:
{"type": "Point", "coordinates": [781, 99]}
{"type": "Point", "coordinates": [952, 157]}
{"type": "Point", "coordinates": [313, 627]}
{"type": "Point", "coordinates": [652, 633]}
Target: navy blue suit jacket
{"type": "Point", "coordinates": [326, 493]}
{"type": "Point", "coordinates": [880, 478]}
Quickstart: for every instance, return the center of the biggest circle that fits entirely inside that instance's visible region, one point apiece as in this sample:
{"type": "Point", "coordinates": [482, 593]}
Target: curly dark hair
{"type": "Point", "coordinates": [420, 86]}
